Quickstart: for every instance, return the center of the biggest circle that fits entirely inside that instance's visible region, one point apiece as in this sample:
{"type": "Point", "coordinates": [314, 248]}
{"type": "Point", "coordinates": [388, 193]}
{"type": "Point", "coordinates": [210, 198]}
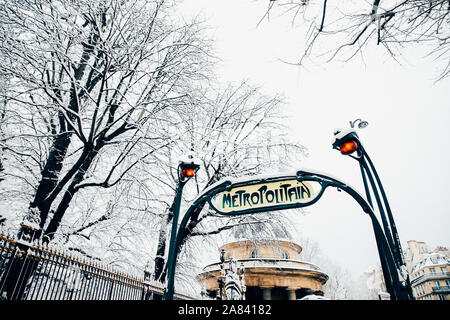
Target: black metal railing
{"type": "Point", "coordinates": [36, 271]}
{"type": "Point", "coordinates": [431, 275]}
{"type": "Point", "coordinates": [441, 289]}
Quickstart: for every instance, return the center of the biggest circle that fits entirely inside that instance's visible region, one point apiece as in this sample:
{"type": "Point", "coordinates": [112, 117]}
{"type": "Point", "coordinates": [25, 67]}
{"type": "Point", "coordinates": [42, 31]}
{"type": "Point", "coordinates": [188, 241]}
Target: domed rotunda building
{"type": "Point", "coordinates": [272, 271]}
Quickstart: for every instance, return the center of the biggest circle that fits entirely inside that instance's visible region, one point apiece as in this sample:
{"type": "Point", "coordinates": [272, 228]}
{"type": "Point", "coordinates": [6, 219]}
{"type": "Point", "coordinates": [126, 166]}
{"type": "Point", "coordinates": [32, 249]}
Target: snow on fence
{"type": "Point", "coordinates": [36, 271]}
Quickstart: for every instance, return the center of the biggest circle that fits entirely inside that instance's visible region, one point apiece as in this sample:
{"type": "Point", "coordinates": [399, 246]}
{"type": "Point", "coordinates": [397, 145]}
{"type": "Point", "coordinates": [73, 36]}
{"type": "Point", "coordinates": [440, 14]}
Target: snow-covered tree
{"type": "Point", "coordinates": [101, 100]}
{"type": "Point", "coordinates": [91, 86]}
{"type": "Point", "coordinates": [342, 29]}
{"type": "Point", "coordinates": [236, 131]}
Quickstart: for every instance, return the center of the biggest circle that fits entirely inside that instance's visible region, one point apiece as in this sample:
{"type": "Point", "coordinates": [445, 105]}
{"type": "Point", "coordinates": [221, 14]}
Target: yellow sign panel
{"type": "Point", "coordinates": [262, 195]}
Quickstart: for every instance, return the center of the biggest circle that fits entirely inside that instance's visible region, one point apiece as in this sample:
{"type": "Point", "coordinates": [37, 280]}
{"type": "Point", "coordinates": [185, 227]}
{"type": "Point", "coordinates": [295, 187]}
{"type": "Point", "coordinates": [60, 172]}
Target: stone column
{"type": "Point", "coordinates": [266, 293]}
{"type": "Point", "coordinates": [291, 293]}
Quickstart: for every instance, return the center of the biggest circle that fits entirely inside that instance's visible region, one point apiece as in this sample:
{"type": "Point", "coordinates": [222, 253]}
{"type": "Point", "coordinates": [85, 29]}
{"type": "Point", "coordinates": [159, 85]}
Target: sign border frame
{"type": "Point", "coordinates": [255, 181]}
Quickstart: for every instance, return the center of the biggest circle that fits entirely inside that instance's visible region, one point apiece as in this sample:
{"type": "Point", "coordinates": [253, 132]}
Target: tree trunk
{"type": "Point", "coordinates": [160, 258]}
{"type": "Point", "coordinates": [50, 175]}
{"type": "Point", "coordinates": [70, 192]}
{"type": "Point", "coordinates": [160, 261]}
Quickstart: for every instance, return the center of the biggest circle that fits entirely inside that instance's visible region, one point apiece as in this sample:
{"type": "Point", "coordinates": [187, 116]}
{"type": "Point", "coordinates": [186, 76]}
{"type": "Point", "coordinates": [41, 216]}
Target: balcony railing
{"type": "Point", "coordinates": [442, 289]}
{"type": "Point", "coordinates": [428, 276]}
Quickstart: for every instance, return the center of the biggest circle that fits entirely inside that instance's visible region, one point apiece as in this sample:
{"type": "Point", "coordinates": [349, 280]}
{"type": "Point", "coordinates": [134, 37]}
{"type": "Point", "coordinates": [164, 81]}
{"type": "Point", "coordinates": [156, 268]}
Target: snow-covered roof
{"type": "Point", "coordinates": [432, 259]}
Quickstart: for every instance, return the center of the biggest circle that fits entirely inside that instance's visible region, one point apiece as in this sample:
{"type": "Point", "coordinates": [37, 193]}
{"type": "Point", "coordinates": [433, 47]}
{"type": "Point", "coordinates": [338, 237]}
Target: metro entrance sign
{"type": "Point", "coordinates": [259, 194]}
{"type": "Point", "coordinates": [266, 196]}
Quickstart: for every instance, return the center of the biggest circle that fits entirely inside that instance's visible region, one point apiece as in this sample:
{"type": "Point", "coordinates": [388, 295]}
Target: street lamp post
{"type": "Point", "coordinates": [187, 169]}
{"type": "Point", "coordinates": [348, 143]}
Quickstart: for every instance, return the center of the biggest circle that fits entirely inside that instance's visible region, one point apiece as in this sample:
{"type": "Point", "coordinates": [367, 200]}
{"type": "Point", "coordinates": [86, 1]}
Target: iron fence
{"type": "Point", "coordinates": [36, 271]}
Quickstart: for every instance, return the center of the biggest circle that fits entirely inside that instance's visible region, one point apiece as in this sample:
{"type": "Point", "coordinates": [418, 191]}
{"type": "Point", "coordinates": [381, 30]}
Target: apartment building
{"type": "Point", "coordinates": [429, 271]}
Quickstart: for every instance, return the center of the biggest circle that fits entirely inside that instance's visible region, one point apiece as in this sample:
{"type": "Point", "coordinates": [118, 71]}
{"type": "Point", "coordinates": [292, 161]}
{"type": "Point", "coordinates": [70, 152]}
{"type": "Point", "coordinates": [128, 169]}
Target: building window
{"type": "Point", "coordinates": [437, 284]}
{"type": "Point", "coordinates": [285, 255]}
{"type": "Point", "coordinates": [255, 254]}
{"type": "Point", "coordinates": [432, 270]}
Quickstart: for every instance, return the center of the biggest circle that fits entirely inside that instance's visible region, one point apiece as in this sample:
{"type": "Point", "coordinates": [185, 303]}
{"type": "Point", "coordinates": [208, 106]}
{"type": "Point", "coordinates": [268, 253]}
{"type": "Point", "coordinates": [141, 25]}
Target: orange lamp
{"type": "Point", "coordinates": [349, 147]}
{"type": "Point", "coordinates": [188, 173]}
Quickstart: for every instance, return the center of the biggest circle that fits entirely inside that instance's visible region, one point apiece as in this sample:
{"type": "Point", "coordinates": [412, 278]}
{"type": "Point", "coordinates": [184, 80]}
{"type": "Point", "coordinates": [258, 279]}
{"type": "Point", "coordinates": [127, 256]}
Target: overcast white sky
{"type": "Point", "coordinates": [407, 138]}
